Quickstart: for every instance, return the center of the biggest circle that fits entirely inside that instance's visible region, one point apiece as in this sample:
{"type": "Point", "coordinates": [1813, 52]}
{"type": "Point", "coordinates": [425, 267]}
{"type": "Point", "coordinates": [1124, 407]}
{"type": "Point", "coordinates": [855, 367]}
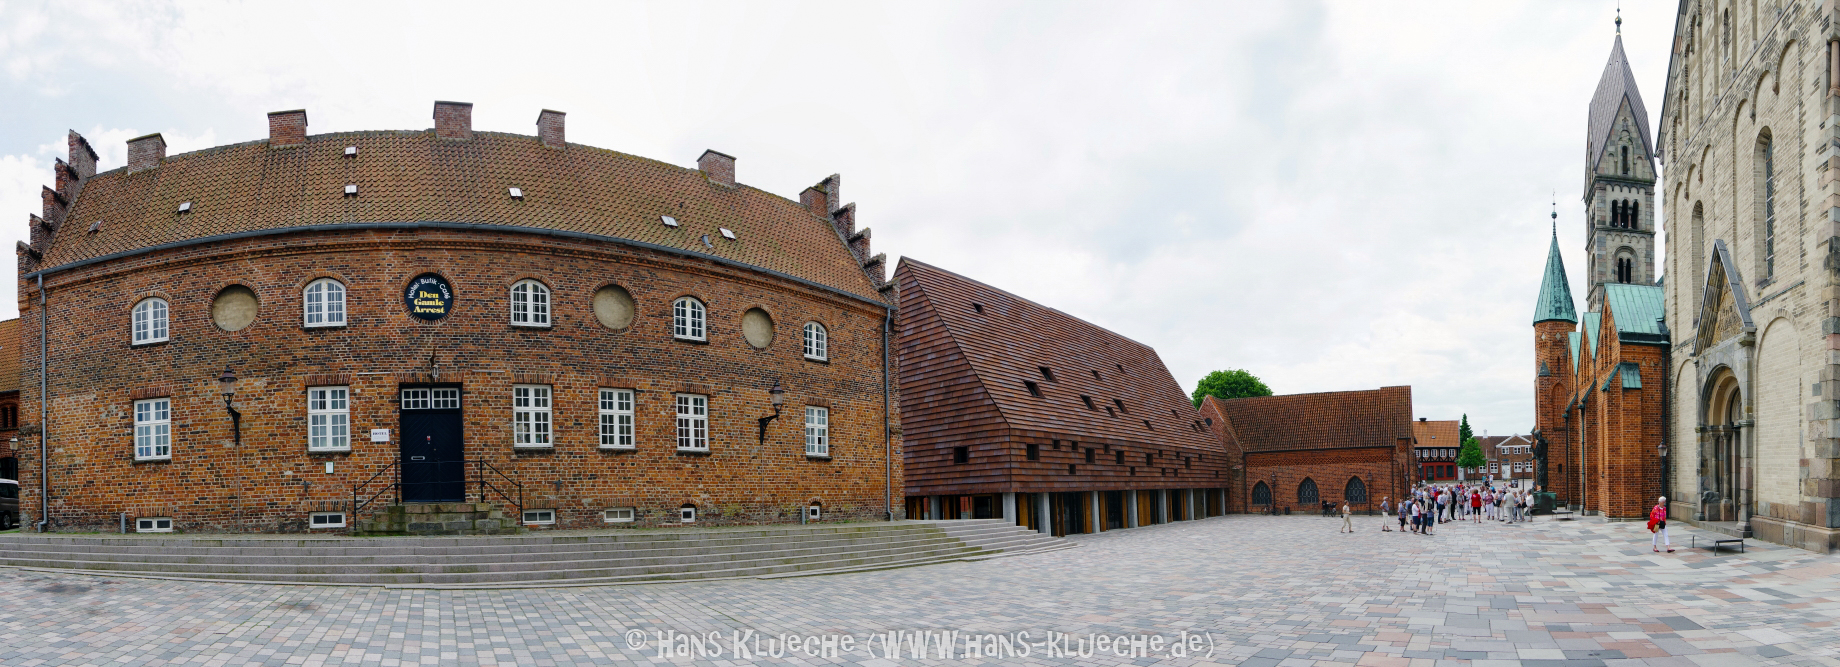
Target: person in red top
{"type": "Point", "coordinates": [1657, 524]}
{"type": "Point", "coordinates": [1475, 504]}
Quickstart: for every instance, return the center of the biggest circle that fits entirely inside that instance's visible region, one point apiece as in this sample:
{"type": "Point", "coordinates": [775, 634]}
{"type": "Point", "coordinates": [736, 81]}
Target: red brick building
{"type": "Point", "coordinates": [1301, 450]}
{"type": "Point", "coordinates": [1509, 457]}
{"type": "Point", "coordinates": [1437, 445]}
{"type": "Point", "coordinates": [1016, 410]}
{"type": "Point", "coordinates": [588, 337]}
{"type": "Point", "coordinates": [9, 398]}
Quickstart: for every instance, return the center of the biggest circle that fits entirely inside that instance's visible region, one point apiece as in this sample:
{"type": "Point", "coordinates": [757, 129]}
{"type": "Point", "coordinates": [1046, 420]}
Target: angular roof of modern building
{"type": "Point", "coordinates": [417, 177]}
{"type": "Point", "coordinates": [1555, 300]}
{"type": "Point", "coordinates": [1008, 341]}
{"type": "Point", "coordinates": [1442, 433]}
{"type": "Point", "coordinates": [1616, 86]}
{"type": "Point", "coordinates": [1327, 420]}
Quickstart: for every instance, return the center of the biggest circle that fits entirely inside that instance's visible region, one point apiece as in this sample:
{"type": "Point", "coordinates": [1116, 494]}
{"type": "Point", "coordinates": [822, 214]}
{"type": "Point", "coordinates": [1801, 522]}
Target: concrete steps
{"type": "Point", "coordinates": [547, 559]}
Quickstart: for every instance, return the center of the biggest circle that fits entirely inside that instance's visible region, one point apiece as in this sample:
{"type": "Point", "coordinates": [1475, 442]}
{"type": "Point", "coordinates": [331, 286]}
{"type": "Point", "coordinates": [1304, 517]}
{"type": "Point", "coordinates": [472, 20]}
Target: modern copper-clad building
{"type": "Point", "coordinates": [1016, 410]}
{"type": "Point", "coordinates": [451, 322]}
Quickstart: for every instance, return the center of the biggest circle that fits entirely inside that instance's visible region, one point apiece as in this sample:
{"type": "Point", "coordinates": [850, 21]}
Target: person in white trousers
{"type": "Point", "coordinates": [1657, 522]}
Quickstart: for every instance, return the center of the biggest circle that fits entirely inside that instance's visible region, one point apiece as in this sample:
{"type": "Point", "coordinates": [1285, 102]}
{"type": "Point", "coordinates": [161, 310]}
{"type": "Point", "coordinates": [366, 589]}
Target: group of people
{"type": "Point", "coordinates": [1430, 505]}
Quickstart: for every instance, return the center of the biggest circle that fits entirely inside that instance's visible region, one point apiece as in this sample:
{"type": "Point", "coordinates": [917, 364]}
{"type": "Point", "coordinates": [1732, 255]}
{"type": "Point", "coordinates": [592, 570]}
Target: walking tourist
{"type": "Point", "coordinates": [1527, 506]}
{"type": "Point", "coordinates": [1443, 506]}
{"type": "Point", "coordinates": [1657, 524]}
{"type": "Point", "coordinates": [1347, 518]}
{"type": "Point", "coordinates": [1386, 515]}
{"type": "Point", "coordinates": [1475, 504]}
{"type": "Point", "coordinates": [1404, 504]}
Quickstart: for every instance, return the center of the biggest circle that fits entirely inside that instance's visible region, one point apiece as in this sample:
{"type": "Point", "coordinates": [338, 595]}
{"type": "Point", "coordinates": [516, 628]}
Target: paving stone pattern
{"type": "Point", "coordinates": [1269, 591]}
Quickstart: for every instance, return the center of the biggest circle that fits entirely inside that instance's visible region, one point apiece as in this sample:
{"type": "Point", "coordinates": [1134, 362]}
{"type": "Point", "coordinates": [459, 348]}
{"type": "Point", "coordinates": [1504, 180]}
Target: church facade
{"type": "Point", "coordinates": [1599, 389]}
{"type": "Point", "coordinates": [1753, 258]}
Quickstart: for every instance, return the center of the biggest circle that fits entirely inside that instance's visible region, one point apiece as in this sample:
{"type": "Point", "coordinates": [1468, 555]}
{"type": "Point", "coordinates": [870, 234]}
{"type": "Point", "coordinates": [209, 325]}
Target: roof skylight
{"type": "Point", "coordinates": [185, 207]}
{"type": "Point", "coordinates": [351, 151]}
{"type": "Point", "coordinates": [668, 220]}
{"type": "Point", "coordinates": [517, 193]}
{"type": "Point", "coordinates": [351, 190]}
{"type": "Point", "coordinates": [95, 226]}
{"type": "Point", "coordinates": [728, 233]}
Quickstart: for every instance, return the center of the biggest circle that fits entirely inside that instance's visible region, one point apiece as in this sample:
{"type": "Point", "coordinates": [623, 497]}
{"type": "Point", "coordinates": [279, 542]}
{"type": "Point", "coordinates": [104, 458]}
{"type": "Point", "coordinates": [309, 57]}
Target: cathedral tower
{"type": "Point", "coordinates": [1555, 323]}
{"type": "Point", "coordinates": [1619, 191]}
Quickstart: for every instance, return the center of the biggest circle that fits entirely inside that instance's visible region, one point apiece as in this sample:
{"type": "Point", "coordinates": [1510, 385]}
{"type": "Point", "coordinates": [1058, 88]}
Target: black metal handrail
{"type": "Point", "coordinates": [480, 468]}
{"type": "Point", "coordinates": [358, 490]}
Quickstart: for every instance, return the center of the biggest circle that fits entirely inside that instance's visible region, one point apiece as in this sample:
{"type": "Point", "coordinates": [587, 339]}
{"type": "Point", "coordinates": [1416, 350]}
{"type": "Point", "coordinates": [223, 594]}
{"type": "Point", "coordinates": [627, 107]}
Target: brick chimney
{"type": "Point", "coordinates": [453, 120]}
{"type": "Point", "coordinates": [146, 152]}
{"type": "Point", "coordinates": [549, 128]}
{"type": "Point", "coordinates": [822, 198]}
{"type": "Point", "coordinates": [82, 157]}
{"type": "Point", "coordinates": [287, 128]}
{"type": "Point", "coordinates": [719, 167]}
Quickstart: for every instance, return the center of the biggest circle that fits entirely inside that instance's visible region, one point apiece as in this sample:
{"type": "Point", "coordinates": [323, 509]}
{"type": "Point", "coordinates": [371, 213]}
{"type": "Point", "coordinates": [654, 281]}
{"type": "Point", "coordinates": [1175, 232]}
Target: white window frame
{"type": "Point", "coordinates": [314, 523]}
{"type": "Point", "coordinates": [151, 524]}
{"type": "Point", "coordinates": [329, 419]}
{"type": "Point", "coordinates": [686, 514]}
{"type": "Point", "coordinates": [1494, 468]}
{"type": "Point", "coordinates": [619, 514]}
{"type": "Point", "coordinates": [692, 422]}
{"type": "Point", "coordinates": [531, 420]}
{"type": "Point", "coordinates": [530, 304]}
{"type": "Point", "coordinates": [817, 342]}
{"type": "Point", "coordinates": [616, 422]}
{"type": "Point", "coordinates": [152, 321]}
{"type": "Point", "coordinates": [539, 521]}
{"type": "Point", "coordinates": [153, 434]}
{"type": "Point", "coordinates": [322, 304]}
{"type": "Point", "coordinates": [817, 431]}
{"type": "Point", "coordinates": [689, 319]}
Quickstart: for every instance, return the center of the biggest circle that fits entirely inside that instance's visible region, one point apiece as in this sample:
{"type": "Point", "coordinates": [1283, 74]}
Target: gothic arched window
{"type": "Point", "coordinates": [1766, 163]}
{"type": "Point", "coordinates": [1625, 160]}
{"type": "Point", "coordinates": [1261, 494]}
{"type": "Point", "coordinates": [1356, 491]}
{"type": "Point", "coordinates": [1635, 215]}
{"type": "Point", "coordinates": [1306, 492]}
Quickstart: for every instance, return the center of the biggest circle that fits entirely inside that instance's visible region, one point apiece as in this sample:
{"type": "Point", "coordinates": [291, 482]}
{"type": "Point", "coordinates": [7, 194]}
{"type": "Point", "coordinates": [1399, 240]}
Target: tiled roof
{"type": "Point", "coordinates": [1437, 433]}
{"type": "Point", "coordinates": [1555, 301]}
{"type": "Point", "coordinates": [9, 355]}
{"type": "Point", "coordinates": [1617, 85]}
{"type": "Point", "coordinates": [1329, 420]}
{"type": "Point", "coordinates": [1009, 341]}
{"type": "Point", "coordinates": [413, 176]}
{"type": "Point", "coordinates": [1636, 308]}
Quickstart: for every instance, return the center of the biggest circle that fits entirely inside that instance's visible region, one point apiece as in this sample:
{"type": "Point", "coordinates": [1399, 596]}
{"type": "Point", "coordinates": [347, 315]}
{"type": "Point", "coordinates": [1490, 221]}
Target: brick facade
{"type": "Point", "coordinates": [1327, 438]}
{"type": "Point", "coordinates": [271, 482]}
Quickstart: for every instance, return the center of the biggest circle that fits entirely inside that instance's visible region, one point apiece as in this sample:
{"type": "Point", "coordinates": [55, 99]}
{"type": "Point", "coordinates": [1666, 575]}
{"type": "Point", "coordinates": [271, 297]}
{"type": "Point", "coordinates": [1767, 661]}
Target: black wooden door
{"type": "Point", "coordinates": [433, 456]}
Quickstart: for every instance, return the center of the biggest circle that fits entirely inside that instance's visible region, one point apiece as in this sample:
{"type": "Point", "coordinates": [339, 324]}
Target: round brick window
{"type": "Point", "coordinates": [234, 309]}
{"type": "Point", "coordinates": [757, 326]}
{"type": "Point", "coordinates": [613, 307]}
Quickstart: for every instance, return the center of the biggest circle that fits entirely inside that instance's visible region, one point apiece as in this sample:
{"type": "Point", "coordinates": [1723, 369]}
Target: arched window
{"type": "Point", "coordinates": [1625, 270]}
{"type": "Point", "coordinates": [324, 303]}
{"type": "Point", "coordinates": [1625, 160]}
{"type": "Point", "coordinates": [1766, 169]}
{"type": "Point", "coordinates": [687, 319]}
{"type": "Point", "coordinates": [1635, 215]}
{"type": "Point", "coordinates": [1356, 491]}
{"type": "Point", "coordinates": [1306, 492]}
{"type": "Point", "coordinates": [817, 341]}
{"type": "Point", "coordinates": [1261, 494]}
{"type": "Point", "coordinates": [150, 321]}
{"type": "Point", "coordinates": [530, 304]}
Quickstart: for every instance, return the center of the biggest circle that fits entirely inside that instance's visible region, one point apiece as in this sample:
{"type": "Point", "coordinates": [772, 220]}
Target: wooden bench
{"type": "Point", "coordinates": [1563, 514]}
{"type": "Point", "coordinates": [1717, 544]}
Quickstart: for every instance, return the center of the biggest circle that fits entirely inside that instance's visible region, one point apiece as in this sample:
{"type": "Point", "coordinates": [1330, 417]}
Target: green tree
{"type": "Point", "coordinates": [1463, 432]}
{"type": "Point", "coordinates": [1470, 455]}
{"type": "Point", "coordinates": [1234, 383]}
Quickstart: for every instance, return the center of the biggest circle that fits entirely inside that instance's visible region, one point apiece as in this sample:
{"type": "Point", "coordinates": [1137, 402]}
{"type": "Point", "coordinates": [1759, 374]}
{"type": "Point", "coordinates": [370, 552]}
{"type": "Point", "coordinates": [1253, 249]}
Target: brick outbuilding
{"type": "Point", "coordinates": [1302, 450]}
{"type": "Point", "coordinates": [578, 336]}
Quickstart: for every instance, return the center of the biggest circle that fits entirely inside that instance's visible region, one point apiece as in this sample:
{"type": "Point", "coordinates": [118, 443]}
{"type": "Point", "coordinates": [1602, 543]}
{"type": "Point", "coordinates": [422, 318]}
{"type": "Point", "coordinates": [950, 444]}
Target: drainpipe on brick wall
{"type": "Point", "coordinates": [887, 426]}
{"type": "Point", "coordinates": [1667, 360]}
{"type": "Point", "coordinates": [44, 414]}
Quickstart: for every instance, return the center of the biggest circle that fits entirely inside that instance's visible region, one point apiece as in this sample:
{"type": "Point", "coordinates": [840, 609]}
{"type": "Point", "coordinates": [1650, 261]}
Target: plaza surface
{"type": "Point", "coordinates": [1257, 591]}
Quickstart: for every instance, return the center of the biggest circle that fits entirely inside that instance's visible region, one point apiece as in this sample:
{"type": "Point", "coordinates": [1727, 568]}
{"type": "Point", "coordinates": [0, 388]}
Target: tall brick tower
{"type": "Point", "coordinates": [1619, 190]}
{"type": "Point", "coordinates": [1555, 321]}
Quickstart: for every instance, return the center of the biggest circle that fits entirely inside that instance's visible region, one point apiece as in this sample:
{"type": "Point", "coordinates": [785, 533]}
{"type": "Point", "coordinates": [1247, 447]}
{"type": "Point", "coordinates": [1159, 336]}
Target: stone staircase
{"type": "Point", "coordinates": [551, 558]}
{"type": "Point", "coordinates": [439, 519]}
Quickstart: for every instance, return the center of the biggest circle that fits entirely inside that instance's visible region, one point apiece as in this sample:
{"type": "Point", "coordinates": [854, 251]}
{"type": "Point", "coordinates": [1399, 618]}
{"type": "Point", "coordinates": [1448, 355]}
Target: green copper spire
{"type": "Point", "coordinates": [1555, 293]}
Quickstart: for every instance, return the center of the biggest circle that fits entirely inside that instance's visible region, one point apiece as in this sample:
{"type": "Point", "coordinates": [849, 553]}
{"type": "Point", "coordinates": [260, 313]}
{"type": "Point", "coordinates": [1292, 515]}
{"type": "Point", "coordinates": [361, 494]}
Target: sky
{"type": "Point", "coordinates": [1331, 195]}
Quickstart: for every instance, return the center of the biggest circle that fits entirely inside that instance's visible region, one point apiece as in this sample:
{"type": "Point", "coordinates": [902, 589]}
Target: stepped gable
{"type": "Point", "coordinates": [419, 177]}
{"type": "Point", "coordinates": [1008, 342]}
{"type": "Point", "coordinates": [1328, 420]}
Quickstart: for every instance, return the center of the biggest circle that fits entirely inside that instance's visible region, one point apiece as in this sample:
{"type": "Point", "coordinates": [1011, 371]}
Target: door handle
{"type": "Point", "coordinates": [417, 458]}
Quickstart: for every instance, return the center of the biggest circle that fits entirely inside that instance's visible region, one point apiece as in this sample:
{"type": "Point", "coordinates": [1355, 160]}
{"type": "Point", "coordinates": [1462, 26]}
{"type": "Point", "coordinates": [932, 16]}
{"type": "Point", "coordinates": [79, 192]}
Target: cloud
{"type": "Point", "coordinates": [1332, 195]}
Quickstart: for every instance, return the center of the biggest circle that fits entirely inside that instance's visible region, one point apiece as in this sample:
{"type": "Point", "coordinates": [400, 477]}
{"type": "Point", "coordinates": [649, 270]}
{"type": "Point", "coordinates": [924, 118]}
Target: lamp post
{"type": "Point", "coordinates": [777, 395]}
{"type": "Point", "coordinates": [226, 384]}
{"type": "Point", "coordinates": [1663, 450]}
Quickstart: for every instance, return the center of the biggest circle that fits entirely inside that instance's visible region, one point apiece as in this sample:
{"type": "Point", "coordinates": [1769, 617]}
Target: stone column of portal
{"type": "Point", "coordinates": [1747, 445]}
{"type": "Point", "coordinates": [1009, 507]}
{"type": "Point", "coordinates": [1044, 516]}
{"type": "Point", "coordinates": [1130, 509]}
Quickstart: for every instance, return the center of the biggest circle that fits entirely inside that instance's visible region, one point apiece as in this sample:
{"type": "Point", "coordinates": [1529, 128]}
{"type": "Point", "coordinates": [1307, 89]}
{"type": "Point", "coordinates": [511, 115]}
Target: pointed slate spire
{"type": "Point", "coordinates": [1555, 301]}
{"type": "Point", "coordinates": [1616, 88]}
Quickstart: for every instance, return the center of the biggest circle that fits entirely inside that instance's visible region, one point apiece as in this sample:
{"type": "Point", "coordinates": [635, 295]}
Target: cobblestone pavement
{"type": "Point", "coordinates": [1256, 591]}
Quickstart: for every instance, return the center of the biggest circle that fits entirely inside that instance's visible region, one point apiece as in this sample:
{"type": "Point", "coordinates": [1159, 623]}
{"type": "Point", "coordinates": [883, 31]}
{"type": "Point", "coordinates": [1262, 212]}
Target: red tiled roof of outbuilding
{"type": "Point", "coordinates": [1437, 432]}
{"type": "Point", "coordinates": [1328, 420]}
{"type": "Point", "coordinates": [1011, 339]}
{"type": "Point", "coordinates": [413, 176]}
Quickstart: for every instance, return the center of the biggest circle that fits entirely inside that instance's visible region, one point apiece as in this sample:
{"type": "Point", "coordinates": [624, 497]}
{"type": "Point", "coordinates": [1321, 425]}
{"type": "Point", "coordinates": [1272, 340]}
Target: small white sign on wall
{"type": "Point", "coordinates": [380, 435]}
